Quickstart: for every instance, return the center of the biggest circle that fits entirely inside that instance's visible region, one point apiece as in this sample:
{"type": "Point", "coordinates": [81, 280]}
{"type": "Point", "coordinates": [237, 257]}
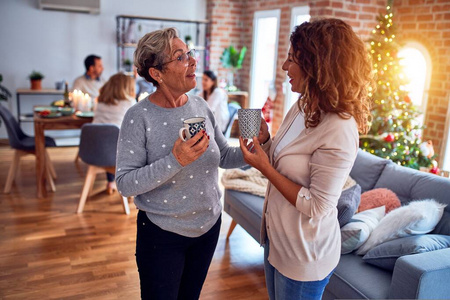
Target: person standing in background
{"type": "Point", "coordinates": [91, 81]}
{"type": "Point", "coordinates": [216, 98]}
{"type": "Point", "coordinates": [143, 87]}
{"type": "Point", "coordinates": [117, 95]}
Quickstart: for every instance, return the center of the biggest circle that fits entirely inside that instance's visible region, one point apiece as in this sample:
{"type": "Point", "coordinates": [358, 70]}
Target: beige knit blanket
{"type": "Point", "coordinates": [253, 182]}
{"type": "Point", "coordinates": [248, 181]}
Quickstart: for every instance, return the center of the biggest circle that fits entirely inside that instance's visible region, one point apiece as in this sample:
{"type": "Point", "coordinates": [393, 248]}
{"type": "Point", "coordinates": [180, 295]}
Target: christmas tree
{"type": "Point", "coordinates": [395, 132]}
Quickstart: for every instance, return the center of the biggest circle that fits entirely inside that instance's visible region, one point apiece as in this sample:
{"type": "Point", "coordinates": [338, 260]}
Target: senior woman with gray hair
{"type": "Point", "coordinates": [175, 182]}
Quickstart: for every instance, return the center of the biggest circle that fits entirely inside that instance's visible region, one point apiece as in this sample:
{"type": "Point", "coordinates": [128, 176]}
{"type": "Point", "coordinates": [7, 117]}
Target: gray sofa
{"type": "Point", "coordinates": [418, 276]}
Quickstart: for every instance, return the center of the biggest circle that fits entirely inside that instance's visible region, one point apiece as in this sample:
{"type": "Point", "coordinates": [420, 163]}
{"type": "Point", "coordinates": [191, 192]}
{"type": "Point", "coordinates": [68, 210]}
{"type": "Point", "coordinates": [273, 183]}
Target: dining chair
{"type": "Point", "coordinates": [24, 145]}
{"type": "Point", "coordinates": [98, 149]}
{"type": "Point", "coordinates": [233, 107]}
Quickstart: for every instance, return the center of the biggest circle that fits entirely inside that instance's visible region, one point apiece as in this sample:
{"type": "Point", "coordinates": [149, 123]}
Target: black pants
{"type": "Point", "coordinates": [172, 266]}
{"type": "Point", "coordinates": [110, 177]}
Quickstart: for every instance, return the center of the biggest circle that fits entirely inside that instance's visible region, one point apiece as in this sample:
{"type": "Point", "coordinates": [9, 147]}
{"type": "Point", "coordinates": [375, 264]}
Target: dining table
{"type": "Point", "coordinates": [42, 123]}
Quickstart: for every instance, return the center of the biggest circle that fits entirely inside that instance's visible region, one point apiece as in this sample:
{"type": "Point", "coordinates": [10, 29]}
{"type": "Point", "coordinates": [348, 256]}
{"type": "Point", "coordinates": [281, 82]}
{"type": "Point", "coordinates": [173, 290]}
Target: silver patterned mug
{"type": "Point", "coordinates": [191, 127]}
{"type": "Point", "coordinates": [249, 122]}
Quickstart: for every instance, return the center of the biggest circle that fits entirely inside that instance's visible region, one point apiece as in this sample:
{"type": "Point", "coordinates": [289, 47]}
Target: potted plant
{"type": "Point", "coordinates": [127, 64]}
{"type": "Point", "coordinates": [188, 41]}
{"type": "Point", "coordinates": [232, 59]}
{"type": "Point", "coordinates": [36, 79]}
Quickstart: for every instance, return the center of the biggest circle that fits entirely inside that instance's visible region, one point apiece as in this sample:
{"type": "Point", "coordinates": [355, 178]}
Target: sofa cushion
{"type": "Point", "coordinates": [385, 255]}
{"type": "Point", "coordinates": [367, 169]}
{"type": "Point", "coordinates": [348, 203]}
{"type": "Point", "coordinates": [355, 279]}
{"type": "Point", "coordinates": [417, 217]}
{"type": "Point", "coordinates": [409, 184]}
{"type": "Point", "coordinates": [379, 197]}
{"type": "Point", "coordinates": [358, 229]}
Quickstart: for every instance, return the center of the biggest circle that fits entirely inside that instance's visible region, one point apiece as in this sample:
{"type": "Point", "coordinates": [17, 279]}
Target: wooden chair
{"type": "Point", "coordinates": [23, 145]}
{"type": "Point", "coordinates": [98, 149]}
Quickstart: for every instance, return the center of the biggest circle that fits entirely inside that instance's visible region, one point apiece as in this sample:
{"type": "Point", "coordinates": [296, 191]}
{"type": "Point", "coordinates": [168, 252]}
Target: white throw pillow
{"type": "Point", "coordinates": [358, 229]}
{"type": "Point", "coordinates": [418, 217]}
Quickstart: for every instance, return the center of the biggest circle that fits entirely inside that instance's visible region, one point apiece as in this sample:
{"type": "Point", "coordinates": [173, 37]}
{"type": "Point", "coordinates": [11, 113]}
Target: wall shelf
{"type": "Point", "coordinates": [129, 29]}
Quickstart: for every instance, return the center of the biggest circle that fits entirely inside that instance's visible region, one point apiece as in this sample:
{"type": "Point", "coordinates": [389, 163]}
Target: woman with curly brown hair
{"type": "Point", "coordinates": [309, 160]}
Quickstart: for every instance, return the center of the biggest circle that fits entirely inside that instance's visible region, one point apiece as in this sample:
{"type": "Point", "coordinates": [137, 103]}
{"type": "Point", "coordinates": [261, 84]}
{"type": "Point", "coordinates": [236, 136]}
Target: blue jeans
{"type": "Point", "coordinates": [280, 287]}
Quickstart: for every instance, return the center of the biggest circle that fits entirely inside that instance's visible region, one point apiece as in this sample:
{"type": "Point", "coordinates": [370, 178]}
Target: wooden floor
{"type": "Point", "coordinates": [47, 251]}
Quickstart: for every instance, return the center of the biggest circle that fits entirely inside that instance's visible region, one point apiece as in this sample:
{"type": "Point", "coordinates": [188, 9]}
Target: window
{"type": "Point", "coordinates": [264, 55]}
{"type": "Point", "coordinates": [416, 63]}
{"type": "Point", "coordinates": [298, 16]}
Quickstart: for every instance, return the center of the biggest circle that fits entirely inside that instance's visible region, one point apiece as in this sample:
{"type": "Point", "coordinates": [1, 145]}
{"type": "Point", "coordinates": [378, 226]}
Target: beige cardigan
{"type": "Point", "coordinates": [305, 240]}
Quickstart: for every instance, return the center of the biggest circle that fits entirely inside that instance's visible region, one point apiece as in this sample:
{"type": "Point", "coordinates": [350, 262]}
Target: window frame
{"type": "Point", "coordinates": [260, 15]}
{"type": "Point", "coordinates": [295, 12]}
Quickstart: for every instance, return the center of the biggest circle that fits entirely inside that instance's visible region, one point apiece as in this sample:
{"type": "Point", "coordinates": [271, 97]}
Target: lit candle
{"type": "Point", "coordinates": [87, 101]}
{"type": "Point", "coordinates": [75, 99]}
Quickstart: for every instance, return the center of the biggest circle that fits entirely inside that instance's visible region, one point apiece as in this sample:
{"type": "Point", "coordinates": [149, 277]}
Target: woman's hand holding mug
{"type": "Point", "coordinates": [193, 141]}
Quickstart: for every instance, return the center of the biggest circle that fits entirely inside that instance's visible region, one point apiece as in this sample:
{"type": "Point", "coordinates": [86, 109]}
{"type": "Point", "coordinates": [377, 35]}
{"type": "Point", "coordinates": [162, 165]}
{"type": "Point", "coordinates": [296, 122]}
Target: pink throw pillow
{"type": "Point", "coordinates": [379, 197]}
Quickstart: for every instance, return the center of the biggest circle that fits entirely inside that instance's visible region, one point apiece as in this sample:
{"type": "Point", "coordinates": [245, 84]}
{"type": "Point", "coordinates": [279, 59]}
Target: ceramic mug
{"type": "Point", "coordinates": [249, 122]}
{"type": "Point", "coordinates": [59, 85]}
{"type": "Point", "coordinates": [191, 127]}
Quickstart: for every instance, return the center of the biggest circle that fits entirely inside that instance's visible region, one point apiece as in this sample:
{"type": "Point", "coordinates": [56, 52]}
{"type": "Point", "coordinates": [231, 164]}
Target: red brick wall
{"type": "Point", "coordinates": [425, 21]}
{"type": "Point", "coordinates": [428, 22]}
{"type": "Point", "coordinates": [225, 29]}
{"type": "Point", "coordinates": [232, 23]}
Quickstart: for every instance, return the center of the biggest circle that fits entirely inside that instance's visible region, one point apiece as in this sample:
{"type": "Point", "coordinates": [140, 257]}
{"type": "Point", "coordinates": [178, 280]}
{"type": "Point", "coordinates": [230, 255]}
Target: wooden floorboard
{"type": "Point", "coordinates": [47, 251]}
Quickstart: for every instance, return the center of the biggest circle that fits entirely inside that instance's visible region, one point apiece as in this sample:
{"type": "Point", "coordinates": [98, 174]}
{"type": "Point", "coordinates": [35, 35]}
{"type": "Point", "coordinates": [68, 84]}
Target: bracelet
{"type": "Point", "coordinates": [268, 139]}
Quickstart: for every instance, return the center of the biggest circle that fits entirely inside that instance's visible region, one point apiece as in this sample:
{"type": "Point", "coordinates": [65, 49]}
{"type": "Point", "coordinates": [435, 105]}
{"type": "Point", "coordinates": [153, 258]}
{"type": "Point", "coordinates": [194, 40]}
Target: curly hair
{"type": "Point", "coordinates": [337, 72]}
{"type": "Point", "coordinates": [151, 51]}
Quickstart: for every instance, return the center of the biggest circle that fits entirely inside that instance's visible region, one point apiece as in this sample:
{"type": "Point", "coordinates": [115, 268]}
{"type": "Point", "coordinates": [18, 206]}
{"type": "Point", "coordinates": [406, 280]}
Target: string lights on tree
{"type": "Point", "coordinates": [395, 132]}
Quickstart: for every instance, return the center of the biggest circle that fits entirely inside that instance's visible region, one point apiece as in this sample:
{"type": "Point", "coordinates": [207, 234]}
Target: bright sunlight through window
{"type": "Point", "coordinates": [415, 69]}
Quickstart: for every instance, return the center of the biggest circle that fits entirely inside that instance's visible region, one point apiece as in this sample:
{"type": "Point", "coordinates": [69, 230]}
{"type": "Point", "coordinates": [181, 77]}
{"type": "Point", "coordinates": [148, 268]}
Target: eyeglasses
{"type": "Point", "coordinates": [182, 58]}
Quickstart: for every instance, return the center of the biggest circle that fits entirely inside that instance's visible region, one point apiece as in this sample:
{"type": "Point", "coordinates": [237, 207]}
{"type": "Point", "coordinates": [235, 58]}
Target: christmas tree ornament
{"type": "Point", "coordinates": [389, 138]}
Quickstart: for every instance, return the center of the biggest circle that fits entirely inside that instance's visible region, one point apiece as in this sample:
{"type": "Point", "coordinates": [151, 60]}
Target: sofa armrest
{"type": "Point", "coordinates": [422, 276]}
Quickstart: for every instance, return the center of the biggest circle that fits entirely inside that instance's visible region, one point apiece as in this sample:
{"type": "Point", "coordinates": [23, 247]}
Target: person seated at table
{"type": "Point", "coordinates": [216, 98]}
{"type": "Point", "coordinates": [91, 81]}
{"type": "Point", "coordinates": [115, 98]}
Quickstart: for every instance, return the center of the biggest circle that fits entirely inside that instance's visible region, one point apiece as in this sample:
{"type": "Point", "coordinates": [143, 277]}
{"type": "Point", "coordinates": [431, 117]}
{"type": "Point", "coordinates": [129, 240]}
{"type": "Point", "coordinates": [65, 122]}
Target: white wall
{"type": "Point", "coordinates": [56, 43]}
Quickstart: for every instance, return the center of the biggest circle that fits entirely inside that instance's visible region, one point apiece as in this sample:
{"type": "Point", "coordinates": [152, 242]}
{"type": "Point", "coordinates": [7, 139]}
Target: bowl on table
{"type": "Point", "coordinates": [67, 111]}
{"type": "Point", "coordinates": [40, 109]}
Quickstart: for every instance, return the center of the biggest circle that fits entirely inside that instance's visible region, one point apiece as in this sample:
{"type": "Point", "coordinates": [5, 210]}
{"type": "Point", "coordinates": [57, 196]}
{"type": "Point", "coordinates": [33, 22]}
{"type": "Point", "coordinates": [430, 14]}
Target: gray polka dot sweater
{"type": "Point", "coordinates": [184, 200]}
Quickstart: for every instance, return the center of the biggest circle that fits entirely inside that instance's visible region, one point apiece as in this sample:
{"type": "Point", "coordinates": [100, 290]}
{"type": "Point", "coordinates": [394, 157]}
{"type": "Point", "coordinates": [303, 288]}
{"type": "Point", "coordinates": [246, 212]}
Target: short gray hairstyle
{"type": "Point", "coordinates": [152, 50]}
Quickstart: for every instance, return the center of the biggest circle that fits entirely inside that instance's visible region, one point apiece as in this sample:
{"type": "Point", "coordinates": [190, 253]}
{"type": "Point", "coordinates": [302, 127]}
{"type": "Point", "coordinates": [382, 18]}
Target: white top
{"type": "Point", "coordinates": [88, 85]}
{"type": "Point", "coordinates": [294, 131]}
{"type": "Point", "coordinates": [112, 114]}
{"type": "Point", "coordinates": [218, 103]}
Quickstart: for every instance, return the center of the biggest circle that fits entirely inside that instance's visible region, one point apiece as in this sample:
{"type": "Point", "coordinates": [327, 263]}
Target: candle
{"type": "Point", "coordinates": [75, 99]}
{"type": "Point", "coordinates": [87, 102]}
